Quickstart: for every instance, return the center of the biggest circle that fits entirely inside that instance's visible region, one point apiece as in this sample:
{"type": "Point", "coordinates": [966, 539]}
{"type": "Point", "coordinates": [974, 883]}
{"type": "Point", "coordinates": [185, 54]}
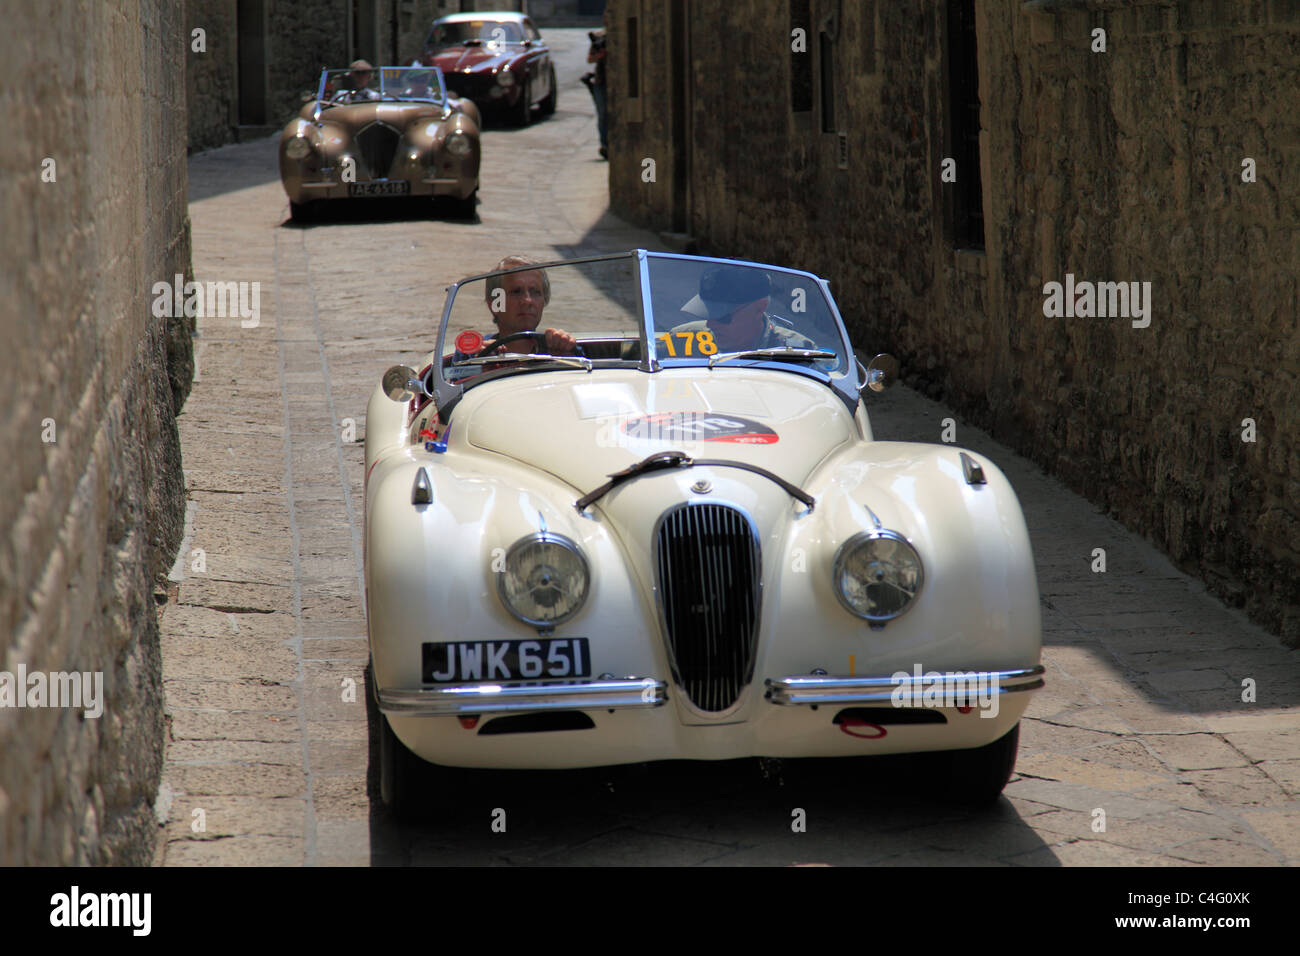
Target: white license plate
{"type": "Point", "coordinates": [541, 659]}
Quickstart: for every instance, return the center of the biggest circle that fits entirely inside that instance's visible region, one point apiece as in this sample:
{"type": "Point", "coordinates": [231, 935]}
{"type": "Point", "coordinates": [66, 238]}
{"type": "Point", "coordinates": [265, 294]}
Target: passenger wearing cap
{"type": "Point", "coordinates": [417, 83]}
{"type": "Point", "coordinates": [732, 303]}
{"type": "Point", "coordinates": [358, 80]}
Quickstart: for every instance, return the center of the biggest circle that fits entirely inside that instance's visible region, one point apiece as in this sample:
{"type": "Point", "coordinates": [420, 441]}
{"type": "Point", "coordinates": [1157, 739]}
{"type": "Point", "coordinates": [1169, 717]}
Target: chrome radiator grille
{"type": "Point", "coordinates": [707, 566]}
{"type": "Point", "coordinates": [377, 144]}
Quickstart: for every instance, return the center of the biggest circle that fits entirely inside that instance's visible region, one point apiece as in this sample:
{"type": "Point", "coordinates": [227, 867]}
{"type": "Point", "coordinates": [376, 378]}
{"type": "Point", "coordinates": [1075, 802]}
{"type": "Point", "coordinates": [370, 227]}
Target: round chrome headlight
{"type": "Point", "coordinates": [506, 78]}
{"type": "Point", "coordinates": [545, 579]}
{"type": "Point", "coordinates": [297, 148]}
{"type": "Point", "coordinates": [457, 144]}
{"type": "Point", "coordinates": [877, 575]}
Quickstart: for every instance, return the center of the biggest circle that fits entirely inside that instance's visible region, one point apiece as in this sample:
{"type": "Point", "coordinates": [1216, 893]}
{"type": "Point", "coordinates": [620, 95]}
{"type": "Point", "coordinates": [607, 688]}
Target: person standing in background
{"type": "Point", "coordinates": [596, 83]}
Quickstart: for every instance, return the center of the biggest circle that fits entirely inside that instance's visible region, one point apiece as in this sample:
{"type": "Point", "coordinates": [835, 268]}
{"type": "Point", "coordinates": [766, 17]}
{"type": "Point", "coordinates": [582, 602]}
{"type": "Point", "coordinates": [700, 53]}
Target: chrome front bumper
{"type": "Point", "coordinates": [465, 699]}
{"type": "Point", "coordinates": [815, 689]}
{"type": "Point", "coordinates": [518, 699]}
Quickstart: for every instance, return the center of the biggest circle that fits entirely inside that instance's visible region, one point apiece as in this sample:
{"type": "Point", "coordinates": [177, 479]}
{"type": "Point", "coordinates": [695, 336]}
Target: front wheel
{"type": "Point", "coordinates": [399, 775]}
{"type": "Point", "coordinates": [552, 98]}
{"type": "Point", "coordinates": [463, 208]}
{"type": "Point", "coordinates": [976, 777]}
{"type": "Point", "coordinates": [411, 788]}
{"type": "Point", "coordinates": [524, 108]}
{"type": "Point", "coordinates": [302, 212]}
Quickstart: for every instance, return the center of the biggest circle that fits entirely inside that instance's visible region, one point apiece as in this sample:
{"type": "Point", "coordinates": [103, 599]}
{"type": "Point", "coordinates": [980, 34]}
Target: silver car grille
{"type": "Point", "coordinates": [708, 573]}
{"type": "Point", "coordinates": [377, 144]}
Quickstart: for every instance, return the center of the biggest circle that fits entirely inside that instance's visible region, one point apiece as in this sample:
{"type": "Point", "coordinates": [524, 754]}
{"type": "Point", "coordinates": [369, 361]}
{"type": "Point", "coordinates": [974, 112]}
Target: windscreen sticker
{"type": "Point", "coordinates": [698, 426]}
{"type": "Point", "coordinates": [469, 342]}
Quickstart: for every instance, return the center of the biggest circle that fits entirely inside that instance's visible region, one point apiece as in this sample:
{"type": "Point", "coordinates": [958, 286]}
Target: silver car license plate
{"type": "Point", "coordinates": [398, 187]}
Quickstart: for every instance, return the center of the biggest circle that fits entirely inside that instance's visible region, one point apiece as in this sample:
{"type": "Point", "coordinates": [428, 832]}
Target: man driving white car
{"type": "Point", "coordinates": [516, 301]}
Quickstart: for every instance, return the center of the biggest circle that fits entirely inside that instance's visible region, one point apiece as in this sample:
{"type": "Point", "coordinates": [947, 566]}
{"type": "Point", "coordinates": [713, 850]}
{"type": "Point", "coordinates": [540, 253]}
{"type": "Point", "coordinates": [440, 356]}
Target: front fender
{"type": "Point", "coordinates": [978, 606]}
{"type": "Point", "coordinates": [431, 570]}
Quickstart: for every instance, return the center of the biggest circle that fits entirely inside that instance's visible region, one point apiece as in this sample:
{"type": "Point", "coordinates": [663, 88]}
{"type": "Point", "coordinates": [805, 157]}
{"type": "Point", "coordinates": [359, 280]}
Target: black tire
{"type": "Point", "coordinates": [400, 776]}
{"type": "Point", "coordinates": [523, 110]}
{"type": "Point", "coordinates": [409, 786]}
{"type": "Point", "coordinates": [302, 212]}
{"type": "Point", "coordinates": [464, 208]}
{"type": "Point", "coordinates": [975, 778]}
{"type": "Point", "coordinates": [552, 98]}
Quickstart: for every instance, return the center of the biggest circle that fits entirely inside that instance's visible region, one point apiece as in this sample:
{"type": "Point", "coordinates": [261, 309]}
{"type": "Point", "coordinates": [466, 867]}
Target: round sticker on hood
{"type": "Point", "coordinates": [699, 426]}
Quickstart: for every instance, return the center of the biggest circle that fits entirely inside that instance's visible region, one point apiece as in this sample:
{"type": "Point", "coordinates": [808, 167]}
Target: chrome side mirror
{"type": "Point", "coordinates": [401, 383]}
{"type": "Point", "coordinates": [882, 372]}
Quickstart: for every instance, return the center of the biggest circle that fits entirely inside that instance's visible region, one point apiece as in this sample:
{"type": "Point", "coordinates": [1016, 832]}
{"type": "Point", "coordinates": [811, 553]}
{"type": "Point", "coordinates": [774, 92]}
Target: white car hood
{"type": "Point", "coordinates": [581, 427]}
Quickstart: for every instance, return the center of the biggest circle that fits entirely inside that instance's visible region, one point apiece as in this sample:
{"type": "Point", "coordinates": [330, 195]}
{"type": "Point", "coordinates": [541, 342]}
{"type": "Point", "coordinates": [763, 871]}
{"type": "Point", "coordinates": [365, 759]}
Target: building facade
{"type": "Point", "coordinates": [958, 168]}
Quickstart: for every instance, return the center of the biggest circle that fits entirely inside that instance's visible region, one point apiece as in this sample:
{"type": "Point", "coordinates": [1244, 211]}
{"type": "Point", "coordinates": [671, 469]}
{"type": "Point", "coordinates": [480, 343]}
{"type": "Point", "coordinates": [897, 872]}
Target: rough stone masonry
{"type": "Point", "coordinates": [93, 201]}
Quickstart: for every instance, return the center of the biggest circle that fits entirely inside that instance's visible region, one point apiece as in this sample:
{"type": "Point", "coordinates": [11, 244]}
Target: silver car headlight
{"type": "Point", "coordinates": [877, 575]}
{"type": "Point", "coordinates": [297, 148]}
{"type": "Point", "coordinates": [457, 144]}
{"type": "Point", "coordinates": [505, 78]}
{"type": "Point", "coordinates": [545, 579]}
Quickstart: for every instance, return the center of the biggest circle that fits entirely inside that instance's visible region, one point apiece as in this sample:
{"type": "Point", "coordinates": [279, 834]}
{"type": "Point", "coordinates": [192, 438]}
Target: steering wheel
{"type": "Point", "coordinates": [515, 337]}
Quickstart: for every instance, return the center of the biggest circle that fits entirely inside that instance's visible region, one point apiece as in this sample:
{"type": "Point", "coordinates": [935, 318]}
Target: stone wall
{"type": "Point", "coordinates": [414, 22]}
{"type": "Point", "coordinates": [91, 494]}
{"type": "Point", "coordinates": [211, 90]}
{"type": "Point", "coordinates": [305, 36]}
{"type": "Point", "coordinates": [300, 37]}
{"type": "Point", "coordinates": [1116, 165]}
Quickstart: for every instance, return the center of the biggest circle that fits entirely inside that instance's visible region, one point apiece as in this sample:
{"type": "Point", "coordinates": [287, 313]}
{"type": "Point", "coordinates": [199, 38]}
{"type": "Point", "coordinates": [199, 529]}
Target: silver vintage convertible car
{"type": "Point", "coordinates": [631, 509]}
{"type": "Point", "coordinates": [398, 134]}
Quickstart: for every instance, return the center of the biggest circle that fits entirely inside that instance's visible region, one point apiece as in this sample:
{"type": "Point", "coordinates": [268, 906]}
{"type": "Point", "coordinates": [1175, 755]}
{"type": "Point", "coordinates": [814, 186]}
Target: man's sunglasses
{"type": "Point", "coordinates": [726, 319]}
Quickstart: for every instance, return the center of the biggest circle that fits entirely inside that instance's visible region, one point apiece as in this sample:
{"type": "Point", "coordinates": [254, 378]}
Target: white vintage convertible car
{"type": "Point", "coordinates": [677, 538]}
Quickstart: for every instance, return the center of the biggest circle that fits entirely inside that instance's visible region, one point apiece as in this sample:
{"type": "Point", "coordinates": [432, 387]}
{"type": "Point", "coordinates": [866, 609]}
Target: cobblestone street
{"type": "Point", "coordinates": [271, 735]}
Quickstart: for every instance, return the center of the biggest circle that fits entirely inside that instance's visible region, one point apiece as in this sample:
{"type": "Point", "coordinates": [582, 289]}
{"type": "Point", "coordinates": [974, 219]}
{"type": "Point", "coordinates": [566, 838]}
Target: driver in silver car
{"type": "Point", "coordinates": [516, 301]}
{"type": "Point", "coordinates": [358, 83]}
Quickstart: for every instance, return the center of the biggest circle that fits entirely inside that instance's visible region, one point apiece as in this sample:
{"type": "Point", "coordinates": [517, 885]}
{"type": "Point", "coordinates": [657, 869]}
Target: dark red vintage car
{"type": "Point", "coordinates": [497, 59]}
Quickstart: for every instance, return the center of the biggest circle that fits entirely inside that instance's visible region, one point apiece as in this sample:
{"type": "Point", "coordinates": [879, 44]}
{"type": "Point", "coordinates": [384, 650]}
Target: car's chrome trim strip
{"type": "Point", "coordinates": [805, 689]}
{"type": "Point", "coordinates": [505, 698]}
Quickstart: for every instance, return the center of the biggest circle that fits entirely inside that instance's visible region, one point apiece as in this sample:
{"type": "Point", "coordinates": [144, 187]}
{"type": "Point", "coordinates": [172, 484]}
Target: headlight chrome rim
{"type": "Point", "coordinates": [546, 538]}
{"type": "Point", "coordinates": [505, 78]}
{"type": "Point", "coordinates": [458, 144]}
{"type": "Point", "coordinates": [298, 148]}
{"type": "Point", "coordinates": [850, 547]}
